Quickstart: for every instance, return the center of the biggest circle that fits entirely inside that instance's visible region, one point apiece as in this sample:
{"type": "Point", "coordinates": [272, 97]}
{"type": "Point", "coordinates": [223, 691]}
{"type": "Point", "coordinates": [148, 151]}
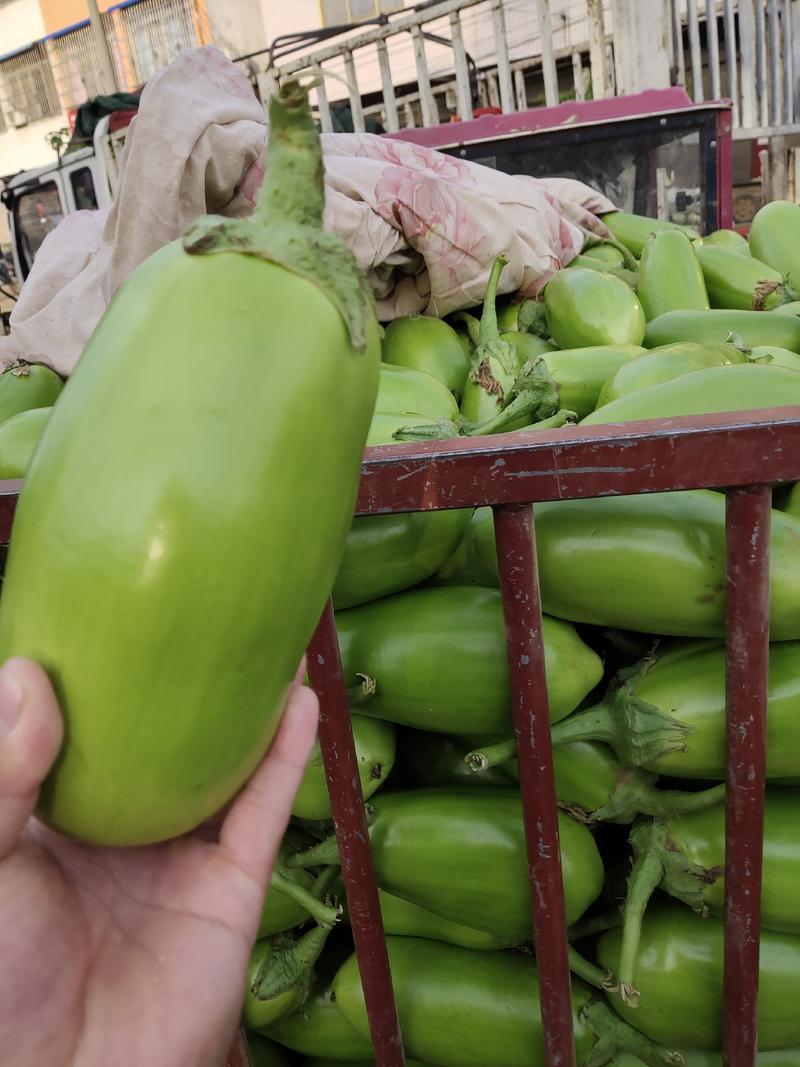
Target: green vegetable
{"type": "Point", "coordinates": [789, 1057]}
{"type": "Point", "coordinates": [25, 386]}
{"type": "Point", "coordinates": [404, 919]}
{"type": "Point", "coordinates": [745, 328]}
{"type": "Point", "coordinates": [738, 387]}
{"type": "Point", "coordinates": [667, 713]}
{"type": "Point", "coordinates": [663, 364]}
{"type": "Point", "coordinates": [404, 391]}
{"type": "Point", "coordinates": [633, 231]}
{"type": "Point", "coordinates": [670, 278]}
{"type": "Point", "coordinates": [265, 1053]}
{"type": "Point", "coordinates": [580, 373]}
{"type": "Point", "coordinates": [19, 436]}
{"type": "Point", "coordinates": [679, 978]}
{"type": "Point", "coordinates": [651, 563]}
{"type": "Point", "coordinates": [279, 976]}
{"type": "Point", "coordinates": [586, 307]}
{"type": "Point", "coordinates": [775, 238]}
{"type": "Point", "coordinates": [605, 253]}
{"type": "Point", "coordinates": [792, 308]}
{"type": "Point", "coordinates": [727, 239]}
{"type": "Point", "coordinates": [160, 543]}
{"type": "Point", "coordinates": [737, 281]}
{"type": "Point", "coordinates": [774, 356]}
{"type": "Point", "coordinates": [375, 752]}
{"type": "Point", "coordinates": [439, 760]}
{"type": "Point", "coordinates": [320, 1029]}
{"type": "Point", "coordinates": [361, 1063]}
{"type": "Point", "coordinates": [427, 344]}
{"type": "Point", "coordinates": [589, 263]}
{"type": "Point", "coordinates": [439, 660]}
{"type": "Point", "coordinates": [283, 911]}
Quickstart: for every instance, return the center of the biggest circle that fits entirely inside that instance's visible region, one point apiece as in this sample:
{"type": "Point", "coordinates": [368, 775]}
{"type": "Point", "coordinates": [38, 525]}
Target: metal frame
{"type": "Point", "coordinates": [743, 454]}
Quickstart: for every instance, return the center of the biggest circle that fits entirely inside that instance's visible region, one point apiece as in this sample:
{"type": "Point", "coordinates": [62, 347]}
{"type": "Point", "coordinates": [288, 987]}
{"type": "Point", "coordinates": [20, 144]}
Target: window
{"type": "Point", "coordinates": [77, 67]}
{"type": "Point", "coordinates": [341, 12]}
{"type": "Point", "coordinates": [37, 213]}
{"type": "Point", "coordinates": [83, 189]}
{"type": "Point", "coordinates": [27, 90]}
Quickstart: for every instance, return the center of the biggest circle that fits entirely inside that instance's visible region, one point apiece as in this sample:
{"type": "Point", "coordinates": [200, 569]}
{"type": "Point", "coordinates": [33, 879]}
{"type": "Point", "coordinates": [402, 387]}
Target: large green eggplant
{"type": "Point", "coordinates": [438, 657]}
{"type": "Point", "coordinates": [679, 978]}
{"type": "Point", "coordinates": [775, 357]}
{"type": "Point", "coordinates": [429, 345]}
{"type": "Point", "coordinates": [19, 437]}
{"type": "Point", "coordinates": [375, 752]}
{"type": "Point", "coordinates": [727, 239]}
{"type": "Point", "coordinates": [663, 364]}
{"type": "Point", "coordinates": [736, 281]}
{"type": "Point", "coordinates": [586, 307]}
{"type": "Point", "coordinates": [670, 277]}
{"type": "Point", "coordinates": [405, 391]}
{"type": "Point", "coordinates": [791, 309]}
{"type": "Point", "coordinates": [633, 231]}
{"type": "Point", "coordinates": [667, 714]}
{"type": "Point", "coordinates": [652, 563]}
{"type": "Point", "coordinates": [747, 328]}
{"type": "Point", "coordinates": [774, 237]}
{"type": "Point", "coordinates": [461, 854]}
{"type": "Point", "coordinates": [733, 387]}
{"type": "Point", "coordinates": [581, 373]}
{"type": "Point", "coordinates": [460, 1008]}
{"type": "Point", "coordinates": [320, 1029]}
{"type": "Point", "coordinates": [25, 386]}
{"type": "Point", "coordinates": [788, 1057]}
{"type": "Point", "coordinates": [181, 516]}
{"type": "Point", "coordinates": [606, 253]}
{"type": "Point", "coordinates": [404, 919]}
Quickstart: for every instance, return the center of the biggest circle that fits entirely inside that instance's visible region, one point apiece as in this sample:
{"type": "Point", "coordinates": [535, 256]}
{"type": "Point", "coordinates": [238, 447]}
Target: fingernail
{"type": "Point", "coordinates": [10, 701]}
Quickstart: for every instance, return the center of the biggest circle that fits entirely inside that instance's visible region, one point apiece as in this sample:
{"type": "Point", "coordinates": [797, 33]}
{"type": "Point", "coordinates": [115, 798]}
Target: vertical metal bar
{"type": "Point", "coordinates": [501, 51]}
{"type": "Point", "coordinates": [519, 89]}
{"type": "Point", "coordinates": [775, 60]}
{"type": "Point", "coordinates": [712, 39]}
{"type": "Point", "coordinates": [762, 90]}
{"type": "Point", "coordinates": [519, 583]}
{"type": "Point", "coordinates": [693, 18]}
{"type": "Point", "coordinates": [747, 72]}
{"type": "Point", "coordinates": [356, 110]}
{"type": "Point", "coordinates": [732, 59]}
{"type": "Point", "coordinates": [724, 173]}
{"type": "Point", "coordinates": [494, 92]}
{"type": "Point", "coordinates": [598, 55]}
{"type": "Point", "coordinates": [788, 64]}
{"type": "Point", "coordinates": [352, 835]}
{"type": "Point", "coordinates": [548, 54]}
{"type": "Point", "coordinates": [389, 101]}
{"type": "Point", "coordinates": [795, 18]}
{"type": "Point", "coordinates": [325, 120]}
{"type": "Point", "coordinates": [748, 513]}
{"type": "Point", "coordinates": [463, 87]}
{"type": "Point", "coordinates": [577, 76]}
{"type": "Point", "coordinates": [678, 61]}
{"type": "Point", "coordinates": [430, 112]}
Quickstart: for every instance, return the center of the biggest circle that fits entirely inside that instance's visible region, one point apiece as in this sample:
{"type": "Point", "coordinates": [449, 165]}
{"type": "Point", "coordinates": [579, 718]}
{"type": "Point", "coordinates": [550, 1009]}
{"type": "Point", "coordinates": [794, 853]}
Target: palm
{"type": "Point", "coordinates": [134, 956]}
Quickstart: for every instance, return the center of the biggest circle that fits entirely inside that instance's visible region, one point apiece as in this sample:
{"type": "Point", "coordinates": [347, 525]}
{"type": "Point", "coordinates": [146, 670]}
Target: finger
{"type": "Point", "coordinates": [31, 730]}
{"type": "Point", "coordinates": [256, 823]}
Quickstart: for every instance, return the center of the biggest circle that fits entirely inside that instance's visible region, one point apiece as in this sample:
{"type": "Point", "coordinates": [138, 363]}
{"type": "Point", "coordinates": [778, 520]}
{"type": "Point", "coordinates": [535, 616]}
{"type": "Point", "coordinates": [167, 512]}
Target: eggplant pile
{"type": "Point", "coordinates": [178, 519]}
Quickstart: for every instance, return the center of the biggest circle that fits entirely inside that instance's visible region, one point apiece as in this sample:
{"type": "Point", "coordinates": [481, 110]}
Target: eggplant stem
{"type": "Point", "coordinates": [491, 755]}
{"type": "Point", "coordinates": [362, 692]}
{"type": "Point", "coordinates": [649, 841]}
{"type": "Point", "coordinates": [615, 1036]}
{"type": "Point", "coordinates": [588, 971]}
{"type": "Point", "coordinates": [321, 913]}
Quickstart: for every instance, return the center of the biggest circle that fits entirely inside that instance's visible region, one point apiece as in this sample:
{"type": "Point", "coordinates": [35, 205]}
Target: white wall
{"type": "Point", "coordinates": [21, 23]}
{"type": "Point", "coordinates": [237, 27]}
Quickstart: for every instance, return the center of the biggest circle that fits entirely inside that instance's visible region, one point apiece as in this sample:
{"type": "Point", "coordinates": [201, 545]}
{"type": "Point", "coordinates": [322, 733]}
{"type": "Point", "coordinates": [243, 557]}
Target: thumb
{"type": "Point", "coordinates": [30, 737]}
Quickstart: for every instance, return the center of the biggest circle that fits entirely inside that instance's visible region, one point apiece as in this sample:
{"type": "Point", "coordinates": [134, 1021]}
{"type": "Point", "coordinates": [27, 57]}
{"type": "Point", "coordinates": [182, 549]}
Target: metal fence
{"type": "Point", "coordinates": [27, 87]}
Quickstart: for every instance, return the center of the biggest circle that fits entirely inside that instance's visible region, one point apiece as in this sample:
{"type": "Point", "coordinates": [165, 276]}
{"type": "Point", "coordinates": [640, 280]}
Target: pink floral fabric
{"type": "Point", "coordinates": [426, 227]}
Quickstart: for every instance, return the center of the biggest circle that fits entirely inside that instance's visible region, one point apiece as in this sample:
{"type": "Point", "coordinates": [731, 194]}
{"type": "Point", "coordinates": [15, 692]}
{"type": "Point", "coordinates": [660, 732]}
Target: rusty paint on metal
{"type": "Point", "coordinates": [747, 620]}
{"type": "Point", "coordinates": [352, 834]}
{"type": "Point", "coordinates": [519, 584]}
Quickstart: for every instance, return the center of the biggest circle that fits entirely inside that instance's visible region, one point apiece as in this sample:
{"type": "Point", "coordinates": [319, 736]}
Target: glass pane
{"type": "Point", "coordinates": [334, 12]}
{"type": "Point", "coordinates": [83, 189]}
{"type": "Point", "coordinates": [38, 212]}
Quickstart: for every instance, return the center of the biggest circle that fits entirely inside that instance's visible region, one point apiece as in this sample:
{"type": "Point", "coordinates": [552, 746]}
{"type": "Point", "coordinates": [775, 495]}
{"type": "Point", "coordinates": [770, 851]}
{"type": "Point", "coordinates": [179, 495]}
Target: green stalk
{"type": "Point", "coordinates": [636, 795]}
{"type": "Point", "coordinates": [649, 841]}
{"type": "Point", "coordinates": [491, 755]}
{"type": "Point", "coordinates": [472, 324]}
{"type": "Point", "coordinates": [289, 964]}
{"type": "Point", "coordinates": [615, 1036]}
{"type": "Point", "coordinates": [588, 972]}
{"type": "Point", "coordinates": [321, 913]}
{"type": "Point", "coordinates": [362, 692]}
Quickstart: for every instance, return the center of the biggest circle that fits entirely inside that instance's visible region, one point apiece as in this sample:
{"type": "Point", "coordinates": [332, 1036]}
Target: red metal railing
{"type": "Point", "coordinates": [743, 454]}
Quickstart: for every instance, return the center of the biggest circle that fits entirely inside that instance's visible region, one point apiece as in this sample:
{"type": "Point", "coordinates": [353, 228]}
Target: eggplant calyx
{"type": "Point", "coordinates": [532, 319]}
{"type": "Point", "coordinates": [286, 226]}
{"type": "Point", "coordinates": [636, 794]}
{"type": "Point", "coordinates": [289, 964]}
{"type": "Point", "coordinates": [685, 880]}
{"type": "Point", "coordinates": [440, 430]}
{"type": "Point", "coordinates": [615, 1036]}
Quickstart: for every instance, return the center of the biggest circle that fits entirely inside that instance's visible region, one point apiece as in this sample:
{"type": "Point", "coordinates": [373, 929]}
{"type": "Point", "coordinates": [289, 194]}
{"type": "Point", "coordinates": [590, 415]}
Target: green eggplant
{"type": "Point", "coordinates": [439, 760]}
{"type": "Point", "coordinates": [745, 328]}
{"type": "Point", "coordinates": [439, 660]}
{"type": "Point", "coordinates": [658, 365]}
{"type": "Point", "coordinates": [670, 276]}
{"type": "Point", "coordinates": [727, 239]}
{"type": "Point", "coordinates": [25, 386]}
{"type": "Point", "coordinates": [279, 976]}
{"type": "Point", "coordinates": [19, 436]}
{"type": "Point", "coordinates": [580, 373]}
{"type": "Point", "coordinates": [508, 317]}
{"type": "Point", "coordinates": [633, 231]}
{"type": "Point", "coordinates": [736, 281]}
{"type": "Point", "coordinates": [789, 1057]}
{"type": "Point", "coordinates": [735, 387]}
{"type": "Point", "coordinates": [404, 919]}
{"type": "Point", "coordinates": [667, 714]}
{"type": "Point", "coordinates": [528, 345]}
{"type": "Point", "coordinates": [685, 857]}
{"type": "Point", "coordinates": [265, 1053]}
{"type": "Point", "coordinates": [589, 263]}
{"type": "Point", "coordinates": [282, 911]}
{"type": "Point", "coordinates": [652, 563]}
{"type": "Point", "coordinates": [585, 307]}
{"type": "Point", "coordinates": [679, 979]}
{"type": "Point", "coordinates": [792, 308]}
{"type": "Point", "coordinates": [774, 236]}
{"type": "Point", "coordinates": [461, 854]}
{"type": "Point", "coordinates": [605, 253]}
{"type": "Point", "coordinates": [429, 345]}
{"type": "Point", "coordinates": [160, 524]}
{"type": "Point", "coordinates": [775, 356]}
{"type": "Point", "coordinates": [319, 1029]}
{"type": "Point", "coordinates": [375, 752]}
{"type": "Point", "coordinates": [404, 391]}
{"type": "Point", "coordinates": [460, 1008]}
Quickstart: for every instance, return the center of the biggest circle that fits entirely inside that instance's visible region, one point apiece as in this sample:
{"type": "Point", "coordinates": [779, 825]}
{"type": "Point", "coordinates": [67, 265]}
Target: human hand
{"type": "Point", "coordinates": [137, 956]}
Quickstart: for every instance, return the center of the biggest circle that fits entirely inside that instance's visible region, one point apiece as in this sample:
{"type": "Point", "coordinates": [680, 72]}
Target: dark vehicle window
{"type": "Point", "coordinates": [83, 188]}
{"type": "Point", "coordinates": [38, 212]}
